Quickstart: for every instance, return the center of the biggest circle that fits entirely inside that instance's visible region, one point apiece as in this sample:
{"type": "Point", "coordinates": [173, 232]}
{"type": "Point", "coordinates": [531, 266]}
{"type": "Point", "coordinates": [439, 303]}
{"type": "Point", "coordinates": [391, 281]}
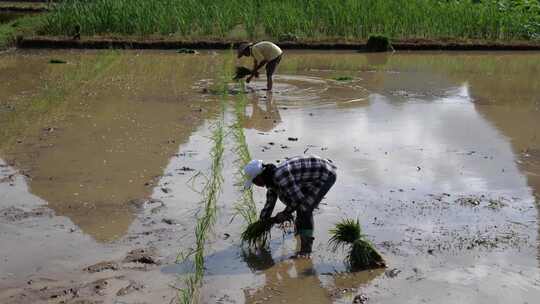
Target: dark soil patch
{"type": "Point", "coordinates": [128, 43]}
{"type": "Point", "coordinates": [102, 266]}
{"type": "Point", "coordinates": [22, 10]}
{"type": "Point", "coordinates": [13, 214]}
{"type": "Point", "coordinates": [379, 44]}
{"type": "Point", "coordinates": [143, 256]}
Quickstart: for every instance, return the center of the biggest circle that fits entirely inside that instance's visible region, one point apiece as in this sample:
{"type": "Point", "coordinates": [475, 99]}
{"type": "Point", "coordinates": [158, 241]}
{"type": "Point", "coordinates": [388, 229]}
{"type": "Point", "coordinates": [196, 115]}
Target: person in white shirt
{"type": "Point", "coordinates": [263, 53]}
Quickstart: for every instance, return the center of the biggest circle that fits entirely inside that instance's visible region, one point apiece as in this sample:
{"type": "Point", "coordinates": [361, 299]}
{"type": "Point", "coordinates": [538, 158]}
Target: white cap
{"type": "Point", "coordinates": [252, 170]}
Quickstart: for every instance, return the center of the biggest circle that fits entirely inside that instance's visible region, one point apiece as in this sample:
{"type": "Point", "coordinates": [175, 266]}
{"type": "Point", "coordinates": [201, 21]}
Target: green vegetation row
{"type": "Point", "coordinates": [208, 216]}
{"type": "Point", "coordinates": [210, 193]}
{"type": "Point", "coordinates": [246, 205]}
{"type": "Point", "coordinates": [301, 19]}
{"type": "Point", "coordinates": [19, 27]}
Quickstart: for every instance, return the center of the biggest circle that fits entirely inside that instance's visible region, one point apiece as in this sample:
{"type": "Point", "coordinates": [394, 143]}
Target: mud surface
{"type": "Point", "coordinates": [102, 161]}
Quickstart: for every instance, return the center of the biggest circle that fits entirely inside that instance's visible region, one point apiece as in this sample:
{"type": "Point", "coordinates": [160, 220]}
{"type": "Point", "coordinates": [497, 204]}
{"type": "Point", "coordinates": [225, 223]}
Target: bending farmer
{"type": "Point", "coordinates": [300, 183]}
{"type": "Point", "coordinates": [264, 52]}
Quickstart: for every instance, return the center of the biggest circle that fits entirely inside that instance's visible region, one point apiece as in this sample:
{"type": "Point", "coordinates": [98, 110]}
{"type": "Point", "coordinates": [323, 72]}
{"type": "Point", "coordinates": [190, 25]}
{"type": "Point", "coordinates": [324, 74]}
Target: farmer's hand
{"type": "Point", "coordinates": [282, 217]}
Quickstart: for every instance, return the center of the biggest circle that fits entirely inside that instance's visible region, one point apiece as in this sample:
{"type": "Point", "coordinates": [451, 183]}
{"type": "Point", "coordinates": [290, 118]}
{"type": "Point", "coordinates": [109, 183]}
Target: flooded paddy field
{"type": "Point", "coordinates": [103, 159]}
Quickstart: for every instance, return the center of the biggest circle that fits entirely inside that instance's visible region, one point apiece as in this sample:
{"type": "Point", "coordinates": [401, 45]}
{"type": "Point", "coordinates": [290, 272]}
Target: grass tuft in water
{"type": "Point", "coordinates": [362, 254]}
{"type": "Point", "coordinates": [57, 61]}
{"type": "Point", "coordinates": [343, 78]}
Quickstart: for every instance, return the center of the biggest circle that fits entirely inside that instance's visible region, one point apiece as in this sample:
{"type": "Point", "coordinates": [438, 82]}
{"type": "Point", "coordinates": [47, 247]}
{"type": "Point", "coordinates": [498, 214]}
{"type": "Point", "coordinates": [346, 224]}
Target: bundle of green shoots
{"type": "Point", "coordinates": [362, 255]}
{"type": "Point", "coordinates": [242, 72]}
{"type": "Point", "coordinates": [257, 234]}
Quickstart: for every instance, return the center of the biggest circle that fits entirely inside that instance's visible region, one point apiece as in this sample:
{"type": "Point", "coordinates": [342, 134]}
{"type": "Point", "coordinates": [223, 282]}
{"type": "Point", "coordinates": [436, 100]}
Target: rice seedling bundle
{"type": "Point", "coordinates": [362, 254]}
{"type": "Point", "coordinates": [257, 234]}
{"type": "Point", "coordinates": [241, 72]}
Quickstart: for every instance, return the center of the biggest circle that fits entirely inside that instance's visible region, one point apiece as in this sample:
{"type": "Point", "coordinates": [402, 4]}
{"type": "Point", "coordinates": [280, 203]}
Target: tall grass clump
{"type": "Point", "coordinates": [362, 255]}
{"type": "Point", "coordinates": [306, 19]}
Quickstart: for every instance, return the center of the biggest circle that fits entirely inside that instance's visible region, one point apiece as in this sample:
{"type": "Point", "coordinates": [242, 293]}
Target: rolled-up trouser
{"type": "Point", "coordinates": [304, 219]}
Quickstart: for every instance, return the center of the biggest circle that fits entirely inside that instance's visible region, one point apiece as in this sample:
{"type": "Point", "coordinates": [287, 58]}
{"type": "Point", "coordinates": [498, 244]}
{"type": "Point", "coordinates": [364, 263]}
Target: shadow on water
{"type": "Point", "coordinates": [263, 117]}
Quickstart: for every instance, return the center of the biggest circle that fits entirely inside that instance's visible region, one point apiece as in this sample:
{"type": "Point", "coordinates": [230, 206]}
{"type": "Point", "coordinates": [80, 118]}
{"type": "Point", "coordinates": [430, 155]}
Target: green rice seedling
{"type": "Point", "coordinates": [362, 254]}
{"type": "Point", "coordinates": [257, 234]}
{"type": "Point", "coordinates": [246, 205]}
{"type": "Point", "coordinates": [345, 232]}
{"type": "Point", "coordinates": [210, 194]}
{"type": "Point", "coordinates": [241, 72]}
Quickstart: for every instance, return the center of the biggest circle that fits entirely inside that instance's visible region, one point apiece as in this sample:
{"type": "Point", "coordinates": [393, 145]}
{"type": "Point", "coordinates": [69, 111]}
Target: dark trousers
{"type": "Point", "coordinates": [271, 66]}
{"type": "Point", "coordinates": [304, 219]}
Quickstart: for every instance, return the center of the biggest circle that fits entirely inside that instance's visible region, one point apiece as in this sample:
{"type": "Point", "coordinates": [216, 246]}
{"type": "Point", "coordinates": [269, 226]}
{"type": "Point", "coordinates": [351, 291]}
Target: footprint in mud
{"type": "Point", "coordinates": [102, 266]}
{"type": "Point", "coordinates": [131, 287]}
{"type": "Point", "coordinates": [146, 256]}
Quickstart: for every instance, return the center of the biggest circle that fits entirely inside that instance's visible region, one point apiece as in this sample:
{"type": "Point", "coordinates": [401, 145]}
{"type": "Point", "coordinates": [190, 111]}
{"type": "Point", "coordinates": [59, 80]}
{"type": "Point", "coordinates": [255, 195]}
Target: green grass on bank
{"type": "Point", "coordinates": [302, 19]}
{"type": "Point", "coordinates": [19, 27]}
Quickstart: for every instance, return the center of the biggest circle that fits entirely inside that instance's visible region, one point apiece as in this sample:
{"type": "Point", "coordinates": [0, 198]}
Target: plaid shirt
{"type": "Point", "coordinates": [297, 182]}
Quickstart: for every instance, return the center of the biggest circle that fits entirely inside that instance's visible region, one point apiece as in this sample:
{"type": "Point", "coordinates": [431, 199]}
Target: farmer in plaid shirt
{"type": "Point", "coordinates": [300, 183]}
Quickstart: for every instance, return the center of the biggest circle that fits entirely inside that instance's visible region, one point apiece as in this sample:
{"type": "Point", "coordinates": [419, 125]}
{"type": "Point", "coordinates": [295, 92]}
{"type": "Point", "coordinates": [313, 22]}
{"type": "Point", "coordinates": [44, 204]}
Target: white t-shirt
{"type": "Point", "coordinates": [265, 50]}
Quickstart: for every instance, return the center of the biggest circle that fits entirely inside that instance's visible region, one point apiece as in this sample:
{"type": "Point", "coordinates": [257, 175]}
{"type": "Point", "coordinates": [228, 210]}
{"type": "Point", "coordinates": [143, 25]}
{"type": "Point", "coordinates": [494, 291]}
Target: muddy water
{"type": "Point", "coordinates": [438, 157]}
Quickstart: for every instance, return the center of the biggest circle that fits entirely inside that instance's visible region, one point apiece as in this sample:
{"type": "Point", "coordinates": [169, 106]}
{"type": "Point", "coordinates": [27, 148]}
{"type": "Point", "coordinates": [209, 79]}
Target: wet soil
{"type": "Point", "coordinates": [437, 156]}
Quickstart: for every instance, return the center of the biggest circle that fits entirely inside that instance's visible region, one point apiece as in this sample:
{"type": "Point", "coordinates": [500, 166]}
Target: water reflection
{"type": "Point", "coordinates": [297, 281]}
{"type": "Point", "coordinates": [400, 112]}
{"type": "Point", "coordinates": [264, 114]}
{"type": "Point", "coordinates": [106, 127]}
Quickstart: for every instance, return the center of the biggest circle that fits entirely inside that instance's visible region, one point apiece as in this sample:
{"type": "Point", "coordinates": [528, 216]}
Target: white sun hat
{"type": "Point", "coordinates": [252, 170]}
